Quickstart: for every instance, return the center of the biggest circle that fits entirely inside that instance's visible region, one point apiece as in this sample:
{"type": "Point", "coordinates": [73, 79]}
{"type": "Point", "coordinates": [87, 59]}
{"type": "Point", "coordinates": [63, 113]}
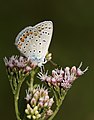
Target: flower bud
{"type": "Point", "coordinates": [73, 70]}
{"type": "Point", "coordinates": [26, 111]}
{"type": "Point", "coordinates": [34, 117]}
{"type": "Point", "coordinates": [36, 112]}
{"type": "Point", "coordinates": [29, 116]}
{"type": "Point", "coordinates": [79, 72]}
{"type": "Point", "coordinates": [35, 108]}
{"type": "Point", "coordinates": [38, 116]}
{"type": "Point", "coordinates": [49, 112]}
{"type": "Point", "coordinates": [40, 104]}
{"type": "Point", "coordinates": [33, 101]}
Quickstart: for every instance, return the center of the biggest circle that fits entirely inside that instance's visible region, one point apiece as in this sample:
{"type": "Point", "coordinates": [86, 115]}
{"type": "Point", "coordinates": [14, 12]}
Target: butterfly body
{"type": "Point", "coordinates": [33, 42]}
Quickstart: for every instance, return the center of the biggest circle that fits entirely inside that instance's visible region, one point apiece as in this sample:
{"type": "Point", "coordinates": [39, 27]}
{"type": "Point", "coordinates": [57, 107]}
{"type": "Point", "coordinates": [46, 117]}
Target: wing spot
{"type": "Point", "coordinates": [25, 36]}
{"type": "Point", "coordinates": [49, 27]}
{"type": "Point", "coordinates": [19, 46]}
{"type": "Point", "coordinates": [39, 51]}
{"type": "Point", "coordinates": [36, 40]}
{"type": "Point", "coordinates": [40, 43]}
{"type": "Point", "coordinates": [39, 30]}
{"type": "Point", "coordinates": [21, 39]}
{"type": "Point", "coordinates": [35, 34]}
{"type": "Point", "coordinates": [44, 40]}
{"type": "Point", "coordinates": [31, 32]}
{"type": "Point", "coordinates": [45, 32]}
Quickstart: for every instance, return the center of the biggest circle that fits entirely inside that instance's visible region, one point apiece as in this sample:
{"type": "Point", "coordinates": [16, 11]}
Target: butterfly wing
{"type": "Point", "coordinates": [44, 30]}
{"type": "Point", "coordinates": [33, 42]}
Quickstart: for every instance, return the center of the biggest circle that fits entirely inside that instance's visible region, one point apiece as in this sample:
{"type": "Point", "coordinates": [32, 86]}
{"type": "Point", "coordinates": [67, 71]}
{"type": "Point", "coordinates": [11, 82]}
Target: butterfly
{"type": "Point", "coordinates": [33, 42]}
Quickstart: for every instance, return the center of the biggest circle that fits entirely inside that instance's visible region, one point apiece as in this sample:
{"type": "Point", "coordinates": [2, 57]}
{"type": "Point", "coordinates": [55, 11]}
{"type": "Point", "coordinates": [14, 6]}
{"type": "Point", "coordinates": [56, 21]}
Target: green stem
{"type": "Point", "coordinates": [33, 72]}
{"type": "Point", "coordinates": [56, 98]}
{"type": "Point", "coordinates": [57, 107]}
{"type": "Point", "coordinates": [16, 99]}
{"type": "Point", "coordinates": [32, 80]}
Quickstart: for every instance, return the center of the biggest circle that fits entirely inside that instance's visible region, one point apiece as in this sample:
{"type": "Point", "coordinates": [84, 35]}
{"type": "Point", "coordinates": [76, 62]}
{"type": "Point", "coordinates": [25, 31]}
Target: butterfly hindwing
{"type": "Point", "coordinates": [33, 42]}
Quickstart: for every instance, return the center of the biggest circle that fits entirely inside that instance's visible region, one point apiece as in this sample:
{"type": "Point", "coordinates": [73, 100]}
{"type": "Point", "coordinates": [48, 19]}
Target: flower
{"type": "Point", "coordinates": [38, 103]}
{"type": "Point", "coordinates": [62, 78]}
{"type": "Point", "coordinates": [19, 62]}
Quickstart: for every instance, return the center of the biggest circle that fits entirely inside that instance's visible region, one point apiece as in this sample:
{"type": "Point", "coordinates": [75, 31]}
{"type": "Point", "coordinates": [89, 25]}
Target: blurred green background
{"type": "Point", "coordinates": [72, 42]}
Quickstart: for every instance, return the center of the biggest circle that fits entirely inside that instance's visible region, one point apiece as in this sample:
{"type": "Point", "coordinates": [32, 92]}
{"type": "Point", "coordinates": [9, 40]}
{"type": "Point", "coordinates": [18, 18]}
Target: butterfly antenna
{"type": "Point", "coordinates": [53, 63]}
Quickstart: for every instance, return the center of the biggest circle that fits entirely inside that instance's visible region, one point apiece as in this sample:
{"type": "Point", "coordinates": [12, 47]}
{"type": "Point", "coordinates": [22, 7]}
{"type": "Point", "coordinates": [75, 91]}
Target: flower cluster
{"type": "Point", "coordinates": [62, 78]}
{"type": "Point", "coordinates": [19, 62]}
{"type": "Point", "coordinates": [38, 103]}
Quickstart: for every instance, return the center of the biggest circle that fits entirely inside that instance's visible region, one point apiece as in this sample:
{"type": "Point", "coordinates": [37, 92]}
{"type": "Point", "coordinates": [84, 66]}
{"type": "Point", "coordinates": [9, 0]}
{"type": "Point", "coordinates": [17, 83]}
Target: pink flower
{"type": "Point", "coordinates": [62, 78]}
{"type": "Point", "coordinates": [19, 62]}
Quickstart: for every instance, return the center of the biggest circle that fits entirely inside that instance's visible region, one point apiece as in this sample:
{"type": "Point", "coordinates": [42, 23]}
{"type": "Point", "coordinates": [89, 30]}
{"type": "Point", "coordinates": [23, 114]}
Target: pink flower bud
{"type": "Point", "coordinates": [40, 104]}
{"type": "Point", "coordinates": [79, 72]}
{"type": "Point", "coordinates": [48, 79]}
{"type": "Point", "coordinates": [33, 101]}
{"type": "Point", "coordinates": [73, 69]}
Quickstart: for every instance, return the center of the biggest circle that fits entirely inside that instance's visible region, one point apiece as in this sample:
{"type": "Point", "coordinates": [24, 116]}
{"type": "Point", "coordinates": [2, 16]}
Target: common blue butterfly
{"type": "Point", "coordinates": [33, 42]}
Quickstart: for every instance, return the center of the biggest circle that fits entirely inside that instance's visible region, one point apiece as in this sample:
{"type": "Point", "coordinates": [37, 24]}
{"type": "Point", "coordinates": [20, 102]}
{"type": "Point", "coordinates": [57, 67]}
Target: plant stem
{"type": "Point", "coordinates": [16, 99]}
{"type": "Point", "coordinates": [57, 107]}
{"type": "Point", "coordinates": [33, 72]}
{"type": "Point", "coordinates": [32, 79]}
